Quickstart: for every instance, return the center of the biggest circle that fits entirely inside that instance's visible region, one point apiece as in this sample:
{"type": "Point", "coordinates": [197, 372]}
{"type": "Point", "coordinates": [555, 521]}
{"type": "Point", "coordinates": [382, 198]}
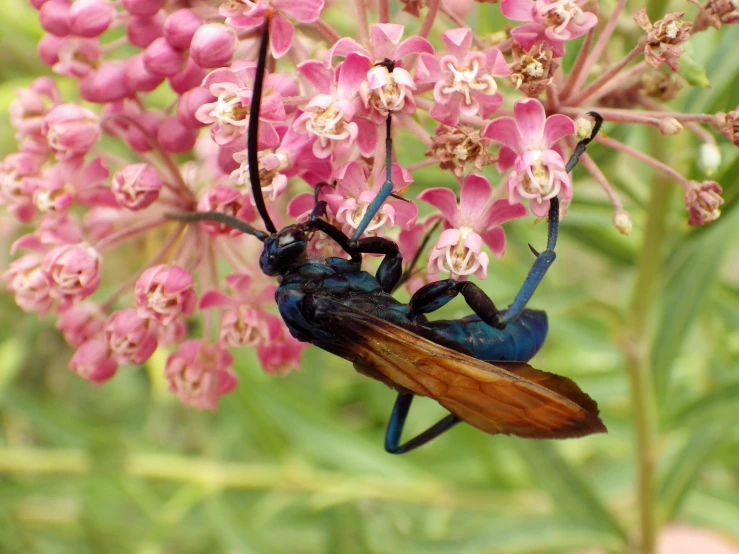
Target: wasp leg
{"type": "Point", "coordinates": [397, 422]}
{"type": "Point", "coordinates": [433, 296]}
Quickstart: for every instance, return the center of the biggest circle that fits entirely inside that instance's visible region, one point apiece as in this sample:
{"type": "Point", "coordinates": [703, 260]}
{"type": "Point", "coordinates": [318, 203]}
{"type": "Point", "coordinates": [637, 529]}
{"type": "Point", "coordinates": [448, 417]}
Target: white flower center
{"type": "Point", "coordinates": [559, 14]}
{"type": "Point", "coordinates": [459, 259]}
{"type": "Point", "coordinates": [327, 125]}
{"type": "Point", "coordinates": [466, 80]}
{"type": "Point", "coordinates": [229, 110]}
{"type": "Point", "coordinates": [355, 216]}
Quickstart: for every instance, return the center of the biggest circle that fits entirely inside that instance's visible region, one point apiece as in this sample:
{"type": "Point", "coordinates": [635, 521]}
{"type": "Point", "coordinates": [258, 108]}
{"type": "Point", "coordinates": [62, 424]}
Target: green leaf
{"type": "Point", "coordinates": [721, 404]}
{"type": "Point", "coordinates": [693, 72]}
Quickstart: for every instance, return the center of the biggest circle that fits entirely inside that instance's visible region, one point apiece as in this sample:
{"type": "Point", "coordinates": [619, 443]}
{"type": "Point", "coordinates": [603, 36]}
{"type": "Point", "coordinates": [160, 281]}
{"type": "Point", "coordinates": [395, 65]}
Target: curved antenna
{"type": "Point", "coordinates": [253, 135]}
{"type": "Point", "coordinates": [219, 217]}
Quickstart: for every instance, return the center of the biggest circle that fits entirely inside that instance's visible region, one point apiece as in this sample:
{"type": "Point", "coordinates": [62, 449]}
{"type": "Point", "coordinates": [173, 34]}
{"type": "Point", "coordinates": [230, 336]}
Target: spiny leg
{"type": "Point", "coordinates": [546, 258]}
{"type": "Point", "coordinates": [397, 422]}
{"type": "Point", "coordinates": [433, 296]}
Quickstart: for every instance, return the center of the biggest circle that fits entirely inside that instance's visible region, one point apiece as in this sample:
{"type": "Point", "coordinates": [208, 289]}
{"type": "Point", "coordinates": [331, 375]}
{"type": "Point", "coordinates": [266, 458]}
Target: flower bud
{"type": "Point", "coordinates": [213, 45]}
{"type": "Point", "coordinates": [138, 77]}
{"type": "Point", "coordinates": [136, 186]}
{"type": "Point", "coordinates": [131, 340]}
{"type": "Point", "coordinates": [584, 125]}
{"type": "Point", "coordinates": [73, 271]}
{"type": "Point", "coordinates": [670, 126]}
{"type": "Point", "coordinates": [199, 374]}
{"type": "Point", "coordinates": [107, 84]}
{"type": "Point", "coordinates": [703, 201]}
{"type": "Point", "coordinates": [54, 17]}
{"type": "Point", "coordinates": [143, 7]}
{"type": "Point", "coordinates": [142, 31]}
{"type": "Point", "coordinates": [162, 59]}
{"type": "Point", "coordinates": [188, 78]}
{"type": "Point", "coordinates": [38, 3]}
{"type": "Point", "coordinates": [622, 221]}
{"type": "Point", "coordinates": [27, 280]}
{"type": "Point", "coordinates": [138, 140]}
{"type": "Point", "coordinates": [80, 323]}
{"type": "Point", "coordinates": [188, 104]}
{"type": "Point", "coordinates": [92, 362]}
{"type": "Point", "coordinates": [180, 26]}
{"type": "Point", "coordinates": [48, 49]}
{"type": "Point", "coordinates": [81, 57]}
{"type": "Point", "coordinates": [175, 137]}
{"type": "Point", "coordinates": [71, 130]}
{"type": "Point", "coordinates": [709, 158]}
{"type": "Point", "coordinates": [90, 18]}
{"type": "Point", "coordinates": [164, 293]}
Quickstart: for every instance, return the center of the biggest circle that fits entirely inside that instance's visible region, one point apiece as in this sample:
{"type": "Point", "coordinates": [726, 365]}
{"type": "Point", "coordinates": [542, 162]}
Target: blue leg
{"type": "Point", "coordinates": [397, 422]}
{"type": "Point", "coordinates": [385, 191]}
{"type": "Point", "coordinates": [546, 258]}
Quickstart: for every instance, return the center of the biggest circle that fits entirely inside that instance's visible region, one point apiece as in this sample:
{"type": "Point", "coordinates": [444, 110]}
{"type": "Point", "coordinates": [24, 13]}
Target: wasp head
{"type": "Point", "coordinates": [282, 249]}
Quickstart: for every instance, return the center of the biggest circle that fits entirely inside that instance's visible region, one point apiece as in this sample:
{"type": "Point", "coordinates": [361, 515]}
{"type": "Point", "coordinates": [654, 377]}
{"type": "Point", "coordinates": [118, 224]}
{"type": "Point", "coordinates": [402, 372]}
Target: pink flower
{"type": "Point", "coordinates": [161, 58]}
{"type": "Point", "coordinates": [464, 78]}
{"type": "Point", "coordinates": [180, 26]}
{"type": "Point", "coordinates": [164, 293]}
{"type": "Point", "coordinates": [73, 272]}
{"type": "Point", "coordinates": [213, 45]}
{"type": "Point", "coordinates": [554, 21]}
{"type": "Point", "coordinates": [92, 362]}
{"type": "Point", "coordinates": [282, 353]}
{"type": "Point", "coordinates": [383, 90]}
{"type": "Point", "coordinates": [476, 220]}
{"type": "Point", "coordinates": [74, 57]}
{"type": "Point", "coordinates": [90, 18]}
{"type": "Point", "coordinates": [230, 112]}
{"type": "Point", "coordinates": [409, 243]}
{"type": "Point", "coordinates": [80, 323]}
{"type": "Point", "coordinates": [27, 111]}
{"type": "Point", "coordinates": [131, 339]}
{"type": "Point", "coordinates": [244, 321]}
{"type": "Point", "coordinates": [330, 115]}
{"type": "Point", "coordinates": [357, 189]}
{"type": "Point", "coordinates": [16, 170]}
{"type": "Point", "coordinates": [227, 200]}
{"type": "Point", "coordinates": [199, 374]}
{"type": "Point", "coordinates": [71, 130]}
{"type": "Point", "coordinates": [703, 201]}
{"type": "Point", "coordinates": [136, 186]}
{"type": "Point", "coordinates": [27, 279]}
{"type": "Point", "coordinates": [529, 142]}
{"type": "Point", "coordinates": [250, 14]}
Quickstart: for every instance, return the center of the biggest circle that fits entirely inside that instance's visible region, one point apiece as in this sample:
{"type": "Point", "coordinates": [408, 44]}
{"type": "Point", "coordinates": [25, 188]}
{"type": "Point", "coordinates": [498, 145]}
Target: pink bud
{"type": "Point", "coordinates": [227, 200]}
{"type": "Point", "coordinates": [90, 18]}
{"type": "Point", "coordinates": [92, 362]}
{"type": "Point", "coordinates": [27, 280]}
{"type": "Point", "coordinates": [131, 340]}
{"type": "Point", "coordinates": [135, 136]}
{"type": "Point", "coordinates": [188, 104]}
{"type": "Point", "coordinates": [71, 130]}
{"type": "Point", "coordinates": [38, 3]}
{"type": "Point", "coordinates": [138, 77]}
{"type": "Point", "coordinates": [136, 186]}
{"type": "Point", "coordinates": [164, 293]}
{"type": "Point", "coordinates": [162, 59]}
{"type": "Point", "coordinates": [188, 78]}
{"type": "Point", "coordinates": [175, 137]}
{"type": "Point", "coordinates": [142, 31]}
{"type": "Point", "coordinates": [78, 57]}
{"type": "Point", "coordinates": [213, 45]}
{"type": "Point", "coordinates": [48, 49]}
{"type": "Point", "coordinates": [143, 7]}
{"type": "Point", "coordinates": [180, 26]}
{"type": "Point", "coordinates": [199, 374]}
{"type": "Point", "coordinates": [54, 17]}
{"type": "Point", "coordinates": [80, 323]}
{"type": "Point", "coordinates": [73, 271]}
{"type": "Point", "coordinates": [107, 84]}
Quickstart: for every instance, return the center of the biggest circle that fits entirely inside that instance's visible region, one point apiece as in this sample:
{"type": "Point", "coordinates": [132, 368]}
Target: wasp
{"type": "Point", "coordinates": [475, 367]}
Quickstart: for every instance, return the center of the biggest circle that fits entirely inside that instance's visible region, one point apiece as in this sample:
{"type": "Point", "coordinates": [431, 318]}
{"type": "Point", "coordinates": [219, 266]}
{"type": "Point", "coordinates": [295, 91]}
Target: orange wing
{"type": "Point", "coordinates": [501, 397]}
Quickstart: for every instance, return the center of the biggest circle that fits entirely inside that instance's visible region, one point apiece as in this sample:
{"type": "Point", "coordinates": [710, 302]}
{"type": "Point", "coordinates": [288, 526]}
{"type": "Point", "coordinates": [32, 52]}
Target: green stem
{"type": "Point", "coordinates": [637, 356]}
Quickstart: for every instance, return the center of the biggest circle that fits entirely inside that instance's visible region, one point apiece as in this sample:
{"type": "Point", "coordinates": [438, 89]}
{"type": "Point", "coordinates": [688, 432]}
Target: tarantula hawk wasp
{"type": "Point", "coordinates": [474, 367]}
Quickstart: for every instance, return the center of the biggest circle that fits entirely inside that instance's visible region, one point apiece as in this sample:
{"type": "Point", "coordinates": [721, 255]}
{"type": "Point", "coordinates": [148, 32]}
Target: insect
{"type": "Point", "coordinates": [474, 367]}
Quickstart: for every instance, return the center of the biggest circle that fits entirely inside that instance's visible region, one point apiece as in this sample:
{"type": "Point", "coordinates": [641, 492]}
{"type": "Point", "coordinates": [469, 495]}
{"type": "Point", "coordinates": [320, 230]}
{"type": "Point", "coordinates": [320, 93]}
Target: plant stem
{"type": "Point", "coordinates": [636, 347]}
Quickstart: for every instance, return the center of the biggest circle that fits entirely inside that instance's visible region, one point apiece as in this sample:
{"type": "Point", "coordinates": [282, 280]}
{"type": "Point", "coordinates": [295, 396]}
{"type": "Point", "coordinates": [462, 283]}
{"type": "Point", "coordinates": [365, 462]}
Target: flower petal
{"type": "Point", "coordinates": [530, 118]}
{"type": "Point", "coordinates": [505, 131]}
{"type": "Point", "coordinates": [413, 45]}
{"type": "Point", "coordinates": [457, 41]}
{"type": "Point", "coordinates": [384, 37]}
{"type": "Point", "coordinates": [305, 11]}
{"type": "Point", "coordinates": [281, 36]}
{"type": "Point", "coordinates": [499, 212]}
{"type": "Point", "coordinates": [495, 239]}
{"type": "Point", "coordinates": [443, 199]}
{"type": "Point", "coordinates": [474, 196]}
{"type": "Point", "coordinates": [556, 127]}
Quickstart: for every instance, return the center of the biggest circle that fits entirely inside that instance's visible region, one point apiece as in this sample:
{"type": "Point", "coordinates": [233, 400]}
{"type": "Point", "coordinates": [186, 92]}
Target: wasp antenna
{"type": "Point", "coordinates": [253, 135]}
{"type": "Point", "coordinates": [533, 250]}
{"type": "Point", "coordinates": [580, 147]}
{"type": "Point", "coordinates": [218, 217]}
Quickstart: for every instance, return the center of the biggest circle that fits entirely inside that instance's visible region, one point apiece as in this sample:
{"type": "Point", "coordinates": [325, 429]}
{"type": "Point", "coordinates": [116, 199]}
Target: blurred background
{"type": "Point", "coordinates": [647, 324]}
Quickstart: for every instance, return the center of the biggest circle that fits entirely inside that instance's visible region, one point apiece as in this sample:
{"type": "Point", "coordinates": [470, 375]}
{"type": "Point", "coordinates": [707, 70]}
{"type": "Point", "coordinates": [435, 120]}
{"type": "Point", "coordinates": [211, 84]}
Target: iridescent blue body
{"type": "Point", "coordinates": [313, 285]}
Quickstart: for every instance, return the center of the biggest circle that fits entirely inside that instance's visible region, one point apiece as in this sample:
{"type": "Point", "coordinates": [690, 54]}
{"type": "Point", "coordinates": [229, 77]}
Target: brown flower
{"type": "Point", "coordinates": [458, 148]}
{"type": "Point", "coordinates": [703, 201]}
{"type": "Point", "coordinates": [715, 13]}
{"type": "Point", "coordinates": [730, 126]}
{"type": "Point", "coordinates": [662, 86]}
{"type": "Point", "coordinates": [532, 70]}
{"type": "Point", "coordinates": [662, 38]}
{"type": "Point", "coordinates": [413, 6]}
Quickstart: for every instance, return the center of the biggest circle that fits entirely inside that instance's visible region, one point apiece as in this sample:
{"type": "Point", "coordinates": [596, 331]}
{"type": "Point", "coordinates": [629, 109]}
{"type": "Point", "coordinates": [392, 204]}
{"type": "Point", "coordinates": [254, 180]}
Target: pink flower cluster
{"type": "Point", "coordinates": [323, 118]}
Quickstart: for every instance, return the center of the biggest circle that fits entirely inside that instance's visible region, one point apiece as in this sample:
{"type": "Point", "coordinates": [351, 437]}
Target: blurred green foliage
{"type": "Point", "coordinates": [296, 464]}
